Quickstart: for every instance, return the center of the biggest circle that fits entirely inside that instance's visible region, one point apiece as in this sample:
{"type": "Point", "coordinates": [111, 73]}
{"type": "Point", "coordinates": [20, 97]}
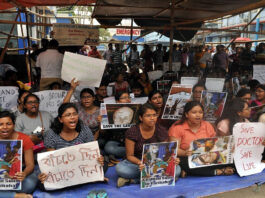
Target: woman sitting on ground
{"type": "Point", "coordinates": [147, 131]}
{"type": "Point", "coordinates": [27, 177]}
{"type": "Point", "coordinates": [156, 99]}
{"type": "Point", "coordinates": [67, 130]}
{"type": "Point", "coordinates": [192, 127]}
{"type": "Point", "coordinates": [87, 111]}
{"type": "Point", "coordinates": [115, 146]}
{"type": "Point", "coordinates": [236, 111]}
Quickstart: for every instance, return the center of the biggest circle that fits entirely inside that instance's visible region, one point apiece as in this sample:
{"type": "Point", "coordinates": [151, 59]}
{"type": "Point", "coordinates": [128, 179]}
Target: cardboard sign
{"type": "Point", "coordinates": [159, 164]}
{"type": "Point", "coordinates": [75, 34]}
{"type": "Point", "coordinates": [51, 100]}
{"type": "Point", "coordinates": [211, 151]}
{"type": "Point", "coordinates": [154, 75]}
{"type": "Point", "coordinates": [214, 103]}
{"type": "Point", "coordinates": [10, 164]}
{"type": "Point", "coordinates": [189, 80]}
{"type": "Point", "coordinates": [249, 148]}
{"type": "Point", "coordinates": [215, 84]}
{"type": "Point", "coordinates": [88, 71]}
{"type": "Point", "coordinates": [177, 98]}
{"type": "Point", "coordinates": [259, 73]}
{"type": "Point", "coordinates": [8, 97]}
{"type": "Point", "coordinates": [118, 115]}
{"type": "Point", "coordinates": [71, 166]}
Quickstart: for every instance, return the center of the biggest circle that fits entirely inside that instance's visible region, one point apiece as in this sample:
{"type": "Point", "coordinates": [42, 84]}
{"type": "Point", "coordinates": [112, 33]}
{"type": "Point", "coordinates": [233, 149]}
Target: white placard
{"type": "Point", "coordinates": [259, 73]}
{"type": "Point", "coordinates": [109, 100]}
{"type": "Point", "coordinates": [215, 84]}
{"type": "Point", "coordinates": [248, 148]}
{"type": "Point", "coordinates": [175, 66]}
{"type": "Point", "coordinates": [154, 75]}
{"type": "Point", "coordinates": [88, 71]}
{"type": "Point", "coordinates": [8, 97]}
{"type": "Point", "coordinates": [71, 166]}
{"type": "Point", "coordinates": [189, 80]}
{"type": "Point", "coordinates": [139, 100]}
{"type": "Point", "coordinates": [50, 100]}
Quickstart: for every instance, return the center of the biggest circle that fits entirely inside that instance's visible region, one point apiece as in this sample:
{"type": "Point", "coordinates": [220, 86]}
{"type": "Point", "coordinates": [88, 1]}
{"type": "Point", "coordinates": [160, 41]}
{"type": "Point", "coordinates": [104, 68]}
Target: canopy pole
{"type": "Point", "coordinates": [171, 34]}
{"type": "Point", "coordinates": [8, 39]}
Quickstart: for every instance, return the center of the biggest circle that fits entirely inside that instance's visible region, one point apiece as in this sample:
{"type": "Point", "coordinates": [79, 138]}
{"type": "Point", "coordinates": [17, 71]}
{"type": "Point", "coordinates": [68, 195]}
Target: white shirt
{"type": "Point", "coordinates": [50, 63]}
{"type": "Point", "coordinates": [107, 56]}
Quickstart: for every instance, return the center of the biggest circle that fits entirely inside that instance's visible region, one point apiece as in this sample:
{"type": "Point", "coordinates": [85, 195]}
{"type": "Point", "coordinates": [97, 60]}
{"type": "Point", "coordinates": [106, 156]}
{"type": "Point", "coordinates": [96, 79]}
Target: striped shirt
{"type": "Point", "coordinates": [117, 57]}
{"type": "Point", "coordinates": [55, 141]}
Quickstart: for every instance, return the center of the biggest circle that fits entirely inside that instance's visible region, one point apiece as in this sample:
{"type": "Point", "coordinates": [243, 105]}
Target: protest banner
{"type": "Point", "coordinates": [71, 166]}
{"type": "Point", "coordinates": [211, 151]}
{"type": "Point", "coordinates": [118, 115]}
{"type": "Point", "coordinates": [75, 34]}
{"type": "Point", "coordinates": [50, 100]}
{"type": "Point", "coordinates": [163, 86]}
{"type": "Point", "coordinates": [10, 164]}
{"type": "Point", "coordinates": [159, 164]}
{"type": "Point", "coordinates": [175, 66]}
{"type": "Point", "coordinates": [259, 73]}
{"type": "Point", "coordinates": [154, 75]}
{"type": "Point", "coordinates": [213, 103]}
{"type": "Point", "coordinates": [189, 80]}
{"type": "Point", "coordinates": [177, 98]}
{"type": "Point", "coordinates": [215, 84]}
{"type": "Point", "coordinates": [79, 66]}
{"type": "Point", "coordinates": [248, 147]}
{"type": "Point", "coordinates": [8, 97]}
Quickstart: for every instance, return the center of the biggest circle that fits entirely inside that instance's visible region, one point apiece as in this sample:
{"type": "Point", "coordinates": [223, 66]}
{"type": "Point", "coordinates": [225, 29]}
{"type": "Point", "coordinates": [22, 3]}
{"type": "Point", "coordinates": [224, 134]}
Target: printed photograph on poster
{"type": "Point", "coordinates": [213, 103]}
{"type": "Point", "coordinates": [211, 151]}
{"type": "Point", "coordinates": [164, 86]}
{"type": "Point", "coordinates": [119, 115]}
{"type": "Point", "coordinates": [10, 164]}
{"type": "Point", "coordinates": [159, 164]}
{"type": "Point", "coordinates": [177, 98]}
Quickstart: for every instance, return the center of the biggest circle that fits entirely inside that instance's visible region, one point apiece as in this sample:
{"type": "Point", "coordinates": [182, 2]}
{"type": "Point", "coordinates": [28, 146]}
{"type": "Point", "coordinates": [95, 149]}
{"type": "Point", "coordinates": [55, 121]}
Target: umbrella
{"type": "Point", "coordinates": [241, 40]}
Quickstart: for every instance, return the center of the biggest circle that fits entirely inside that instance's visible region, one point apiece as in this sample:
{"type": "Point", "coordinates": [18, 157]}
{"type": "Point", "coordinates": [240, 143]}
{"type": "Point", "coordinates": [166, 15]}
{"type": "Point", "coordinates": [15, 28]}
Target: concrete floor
{"type": "Point", "coordinates": [250, 192]}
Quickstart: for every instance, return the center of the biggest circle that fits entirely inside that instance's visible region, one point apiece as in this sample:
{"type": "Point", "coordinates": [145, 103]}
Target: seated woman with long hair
{"type": "Point", "coordinates": [235, 111]}
{"type": "Point", "coordinates": [192, 127]}
{"type": "Point", "coordinates": [27, 177]}
{"type": "Point", "coordinates": [147, 131]}
{"type": "Point", "coordinates": [67, 130]}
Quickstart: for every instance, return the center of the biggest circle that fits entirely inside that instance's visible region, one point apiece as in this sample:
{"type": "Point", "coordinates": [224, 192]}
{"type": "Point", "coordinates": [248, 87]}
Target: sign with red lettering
{"type": "Point", "coordinates": [248, 148]}
{"type": "Point", "coordinates": [71, 166]}
{"type": "Point", "coordinates": [127, 32]}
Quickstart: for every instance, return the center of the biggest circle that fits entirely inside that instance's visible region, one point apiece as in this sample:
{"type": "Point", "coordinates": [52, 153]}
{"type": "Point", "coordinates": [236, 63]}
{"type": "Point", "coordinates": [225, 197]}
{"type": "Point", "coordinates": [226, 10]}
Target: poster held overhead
{"type": "Point", "coordinates": [189, 80]}
{"type": "Point", "coordinates": [248, 147]}
{"type": "Point", "coordinates": [215, 84]}
{"type": "Point", "coordinates": [88, 71]}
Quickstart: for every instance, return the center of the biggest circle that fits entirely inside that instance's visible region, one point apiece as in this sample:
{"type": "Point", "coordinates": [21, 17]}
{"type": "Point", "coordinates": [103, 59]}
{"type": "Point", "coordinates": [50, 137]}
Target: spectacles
{"type": "Point", "coordinates": [32, 102]}
{"type": "Point", "coordinates": [86, 97]}
{"type": "Point", "coordinates": [68, 115]}
{"type": "Point", "coordinates": [151, 115]}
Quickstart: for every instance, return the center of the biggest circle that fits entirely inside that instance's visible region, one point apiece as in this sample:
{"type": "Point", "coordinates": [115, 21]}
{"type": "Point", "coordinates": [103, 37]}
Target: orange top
{"type": "Point", "coordinates": [186, 136]}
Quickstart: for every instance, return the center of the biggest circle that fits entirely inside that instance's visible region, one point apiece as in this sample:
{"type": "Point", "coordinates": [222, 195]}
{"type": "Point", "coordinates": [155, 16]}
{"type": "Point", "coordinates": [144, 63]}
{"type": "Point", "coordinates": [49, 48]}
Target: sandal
{"type": "Point", "coordinates": [225, 171]}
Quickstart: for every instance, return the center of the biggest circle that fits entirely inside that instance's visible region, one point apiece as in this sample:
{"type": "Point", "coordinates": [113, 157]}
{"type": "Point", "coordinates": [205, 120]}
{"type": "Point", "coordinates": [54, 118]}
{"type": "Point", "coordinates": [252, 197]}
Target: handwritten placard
{"type": "Point", "coordinates": [259, 73]}
{"type": "Point", "coordinates": [50, 100]}
{"type": "Point", "coordinates": [189, 80]}
{"type": "Point", "coordinates": [215, 84]}
{"type": "Point", "coordinates": [71, 166]}
{"type": "Point", "coordinates": [248, 148]}
{"type": "Point", "coordinates": [88, 71]}
{"type": "Point", "coordinates": [8, 97]}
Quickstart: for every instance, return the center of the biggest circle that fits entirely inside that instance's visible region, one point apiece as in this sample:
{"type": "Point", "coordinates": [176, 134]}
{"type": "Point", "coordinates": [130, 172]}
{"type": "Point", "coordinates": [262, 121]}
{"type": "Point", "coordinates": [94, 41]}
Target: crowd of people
{"type": "Point", "coordinates": [80, 122]}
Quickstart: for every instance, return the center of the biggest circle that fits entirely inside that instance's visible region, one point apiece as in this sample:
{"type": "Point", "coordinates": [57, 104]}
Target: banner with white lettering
{"type": "Point", "coordinates": [119, 115]}
{"type": "Point", "coordinates": [88, 71]}
{"type": "Point", "coordinates": [259, 73]}
{"type": "Point", "coordinates": [50, 100]}
{"type": "Point", "coordinates": [189, 80]}
{"type": "Point", "coordinates": [10, 164]}
{"type": "Point", "coordinates": [8, 97]}
{"type": "Point", "coordinates": [71, 166]}
{"type": "Point", "coordinates": [215, 84]}
{"type": "Point", "coordinates": [211, 151]}
{"type": "Point", "coordinates": [177, 98]}
{"type": "Point", "coordinates": [248, 147]}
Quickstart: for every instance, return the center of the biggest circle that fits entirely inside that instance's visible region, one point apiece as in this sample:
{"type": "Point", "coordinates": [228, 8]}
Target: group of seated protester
{"type": "Point", "coordinates": [80, 122]}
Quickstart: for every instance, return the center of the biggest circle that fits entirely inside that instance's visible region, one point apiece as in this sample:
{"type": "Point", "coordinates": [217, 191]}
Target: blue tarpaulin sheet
{"type": "Point", "coordinates": [189, 187]}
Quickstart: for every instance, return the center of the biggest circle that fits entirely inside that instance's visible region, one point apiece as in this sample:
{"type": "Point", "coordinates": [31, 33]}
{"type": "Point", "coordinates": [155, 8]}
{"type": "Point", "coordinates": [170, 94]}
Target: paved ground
{"type": "Point", "coordinates": [250, 192]}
